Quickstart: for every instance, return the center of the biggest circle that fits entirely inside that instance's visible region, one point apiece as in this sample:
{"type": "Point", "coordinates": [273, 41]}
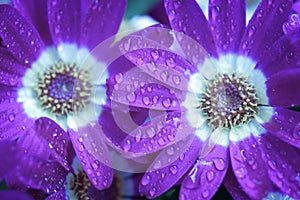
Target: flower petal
{"type": "Point", "coordinates": [93, 155]}
{"type": "Point", "coordinates": [57, 139]}
{"type": "Point", "coordinates": [36, 13]}
{"type": "Point", "coordinates": [57, 196]}
{"type": "Point", "coordinates": [164, 173]}
{"type": "Point", "coordinates": [282, 162]}
{"type": "Point", "coordinates": [64, 21]}
{"type": "Point", "coordinates": [9, 157]}
{"type": "Point", "coordinates": [233, 187]}
{"type": "Point", "coordinates": [227, 33]}
{"type": "Point", "coordinates": [283, 55]}
{"type": "Point", "coordinates": [207, 175]}
{"type": "Point", "coordinates": [265, 27]}
{"type": "Point", "coordinates": [285, 124]}
{"type": "Point", "coordinates": [161, 131]}
{"type": "Point", "coordinates": [249, 168]}
{"type": "Point", "coordinates": [19, 36]}
{"type": "Point", "coordinates": [186, 17]}
{"type": "Point", "coordinates": [281, 89]}
{"type": "Point", "coordinates": [110, 14]}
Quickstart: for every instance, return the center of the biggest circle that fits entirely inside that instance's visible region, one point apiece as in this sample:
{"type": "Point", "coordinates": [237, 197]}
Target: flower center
{"type": "Point", "coordinates": [229, 100]}
{"type": "Point", "coordinates": [80, 185]}
{"type": "Point", "coordinates": [64, 89]}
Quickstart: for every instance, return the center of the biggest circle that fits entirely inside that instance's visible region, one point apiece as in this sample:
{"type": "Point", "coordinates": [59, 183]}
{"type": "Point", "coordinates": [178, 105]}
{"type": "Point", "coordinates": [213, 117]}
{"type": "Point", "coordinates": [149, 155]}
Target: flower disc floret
{"type": "Point", "coordinates": [229, 100]}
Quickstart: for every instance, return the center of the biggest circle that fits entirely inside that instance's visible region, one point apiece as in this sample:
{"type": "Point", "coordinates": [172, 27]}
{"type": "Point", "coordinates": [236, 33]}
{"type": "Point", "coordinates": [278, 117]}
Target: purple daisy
{"type": "Point", "coordinates": [48, 71]}
{"type": "Point", "coordinates": [229, 90]}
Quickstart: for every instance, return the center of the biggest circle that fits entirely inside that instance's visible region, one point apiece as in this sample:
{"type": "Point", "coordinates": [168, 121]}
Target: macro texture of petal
{"type": "Point", "coordinates": [282, 161]}
{"type": "Point", "coordinates": [283, 55]}
{"type": "Point", "coordinates": [57, 195]}
{"type": "Point", "coordinates": [265, 27]}
{"type": "Point", "coordinates": [64, 21]}
{"type": "Point", "coordinates": [19, 36]}
{"type": "Point", "coordinates": [110, 14]}
{"type": "Point", "coordinates": [9, 157]}
{"type": "Point", "coordinates": [227, 33]}
{"type": "Point", "coordinates": [285, 124]}
{"type": "Point", "coordinates": [187, 17]}
{"type": "Point", "coordinates": [233, 186]}
{"type": "Point", "coordinates": [249, 168]}
{"type": "Point", "coordinates": [14, 195]}
{"type": "Point", "coordinates": [207, 175]}
{"type": "Point", "coordinates": [281, 89]}
{"type": "Point", "coordinates": [100, 175]}
{"type": "Point", "coordinates": [162, 175]}
{"type": "Point", "coordinates": [58, 140]}
{"type": "Point", "coordinates": [35, 12]}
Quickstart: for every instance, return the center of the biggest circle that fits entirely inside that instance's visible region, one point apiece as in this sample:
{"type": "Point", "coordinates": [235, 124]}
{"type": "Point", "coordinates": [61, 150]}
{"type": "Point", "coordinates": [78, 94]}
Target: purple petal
{"type": "Point", "coordinates": [187, 17]}
{"type": "Point", "coordinates": [57, 196]}
{"type": "Point", "coordinates": [283, 55]}
{"type": "Point", "coordinates": [265, 27]}
{"type": "Point", "coordinates": [57, 139]}
{"type": "Point", "coordinates": [9, 157]}
{"type": "Point", "coordinates": [249, 168]}
{"type": "Point", "coordinates": [207, 175]}
{"type": "Point", "coordinates": [102, 21]}
{"type": "Point", "coordinates": [64, 21]}
{"type": "Point", "coordinates": [163, 65]}
{"type": "Point", "coordinates": [32, 172]}
{"type": "Point", "coordinates": [13, 121]}
{"type": "Point", "coordinates": [285, 124]}
{"type": "Point", "coordinates": [36, 13]}
{"type": "Point", "coordinates": [19, 36]}
{"type": "Point", "coordinates": [161, 131]}
{"type": "Point", "coordinates": [233, 187]}
{"type": "Point", "coordinates": [87, 147]}
{"type": "Point", "coordinates": [227, 33]}
{"type": "Point", "coordinates": [166, 174]}
{"type": "Point", "coordinates": [14, 195]}
{"type": "Point", "coordinates": [281, 89]}
{"type": "Point", "coordinates": [282, 161]}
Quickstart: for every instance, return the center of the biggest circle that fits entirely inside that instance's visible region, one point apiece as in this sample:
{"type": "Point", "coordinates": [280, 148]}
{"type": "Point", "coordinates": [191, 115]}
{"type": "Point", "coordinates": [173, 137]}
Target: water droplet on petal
{"type": "Point", "coordinates": [272, 164]}
{"type": "Point", "coordinates": [241, 172]}
{"type": "Point", "coordinates": [210, 175]}
{"type": "Point", "coordinates": [296, 132]}
{"type": "Point", "coordinates": [170, 151]}
{"type": "Point", "coordinates": [152, 192]}
{"type": "Point", "coordinates": [174, 169]}
{"type": "Point", "coordinates": [157, 164]}
{"type": "Point", "coordinates": [205, 193]}
{"type": "Point", "coordinates": [146, 100]}
{"type": "Point", "coordinates": [127, 145]}
{"type": "Point", "coordinates": [155, 54]}
{"type": "Point", "coordinates": [145, 180]}
{"type": "Point", "coordinates": [167, 103]}
{"type": "Point", "coordinates": [131, 97]}
{"type": "Point", "coordinates": [11, 117]}
{"type": "Point", "coordinates": [219, 164]}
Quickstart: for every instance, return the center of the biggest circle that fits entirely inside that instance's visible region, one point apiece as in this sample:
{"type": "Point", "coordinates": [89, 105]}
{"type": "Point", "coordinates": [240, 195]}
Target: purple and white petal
{"type": "Point", "coordinates": [265, 27]}
{"type": "Point", "coordinates": [110, 13]}
{"type": "Point", "coordinates": [56, 138]}
{"type": "Point", "coordinates": [227, 33]}
{"type": "Point", "coordinates": [93, 155]}
{"type": "Point", "coordinates": [249, 167]}
{"type": "Point", "coordinates": [169, 166]}
{"type": "Point", "coordinates": [281, 89]}
{"type": "Point", "coordinates": [19, 36]}
{"type": "Point", "coordinates": [206, 176]}
{"type": "Point", "coordinates": [283, 55]}
{"type": "Point", "coordinates": [285, 124]}
{"type": "Point", "coordinates": [282, 161]}
{"type": "Point", "coordinates": [186, 17]}
{"type": "Point", "coordinates": [64, 21]}
{"type": "Point", "coordinates": [36, 13]}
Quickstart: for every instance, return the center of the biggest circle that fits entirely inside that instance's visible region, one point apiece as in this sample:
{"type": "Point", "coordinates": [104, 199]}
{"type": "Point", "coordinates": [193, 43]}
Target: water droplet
{"type": "Point", "coordinates": [152, 192]}
{"type": "Point", "coordinates": [172, 15]}
{"type": "Point", "coordinates": [127, 145]}
{"type": "Point", "coordinates": [174, 169]}
{"type": "Point", "coordinates": [150, 132]}
{"type": "Point", "coordinates": [170, 62]}
{"type": "Point", "coordinates": [252, 30]}
{"type": "Point", "coordinates": [210, 175]}
{"type": "Point", "coordinates": [205, 194]}
{"type": "Point", "coordinates": [176, 79]}
{"type": "Point", "coordinates": [219, 163]}
{"type": "Point", "coordinates": [11, 117]}
{"type": "Point", "coordinates": [95, 165]}
{"type": "Point", "coordinates": [145, 180]}
{"type": "Point", "coordinates": [146, 100]}
{"type": "Point", "coordinates": [157, 164]}
{"type": "Point", "coordinates": [170, 151]}
{"type": "Point", "coordinates": [272, 164]}
{"type": "Point", "coordinates": [296, 132]}
{"type": "Point", "coordinates": [131, 97]}
{"type": "Point", "coordinates": [167, 103]}
{"type": "Point", "coordinates": [241, 172]}
{"type": "Point", "coordinates": [81, 148]}
{"type": "Point", "coordinates": [154, 54]}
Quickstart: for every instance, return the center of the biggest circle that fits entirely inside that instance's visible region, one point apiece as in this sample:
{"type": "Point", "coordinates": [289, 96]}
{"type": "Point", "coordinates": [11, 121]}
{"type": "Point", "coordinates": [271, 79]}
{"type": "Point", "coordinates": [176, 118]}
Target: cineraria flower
{"type": "Point", "coordinates": [231, 88]}
{"type": "Point", "coordinates": [47, 70]}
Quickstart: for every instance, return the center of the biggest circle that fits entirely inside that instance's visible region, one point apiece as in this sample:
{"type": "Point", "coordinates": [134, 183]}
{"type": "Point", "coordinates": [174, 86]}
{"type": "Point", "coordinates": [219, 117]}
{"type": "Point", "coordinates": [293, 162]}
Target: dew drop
{"type": "Point", "coordinates": [167, 103]}
{"type": "Point", "coordinates": [241, 172]}
{"type": "Point", "coordinates": [205, 194]}
{"type": "Point", "coordinates": [81, 148]}
{"type": "Point", "coordinates": [127, 145]}
{"type": "Point", "coordinates": [219, 164]}
{"type": "Point", "coordinates": [146, 100]}
{"type": "Point", "coordinates": [170, 62]}
{"type": "Point", "coordinates": [152, 192]}
{"type": "Point", "coordinates": [150, 132]}
{"type": "Point", "coordinates": [174, 169]}
{"type": "Point", "coordinates": [210, 175]}
{"type": "Point", "coordinates": [170, 151]}
{"type": "Point", "coordinates": [154, 54]}
{"type": "Point", "coordinates": [272, 164]}
{"type": "Point", "coordinates": [157, 164]}
{"type": "Point", "coordinates": [296, 132]}
{"type": "Point", "coordinates": [172, 15]}
{"type": "Point", "coordinates": [131, 97]}
{"type": "Point", "coordinates": [11, 117]}
{"type": "Point", "coordinates": [176, 79]}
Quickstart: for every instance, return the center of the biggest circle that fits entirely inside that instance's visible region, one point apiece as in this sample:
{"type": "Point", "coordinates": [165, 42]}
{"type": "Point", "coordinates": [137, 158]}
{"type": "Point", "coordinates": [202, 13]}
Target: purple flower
{"type": "Point", "coordinates": [48, 71]}
{"type": "Point", "coordinates": [227, 91]}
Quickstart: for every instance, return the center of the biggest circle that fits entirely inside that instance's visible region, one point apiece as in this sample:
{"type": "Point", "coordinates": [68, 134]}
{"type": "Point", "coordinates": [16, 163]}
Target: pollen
{"type": "Point", "coordinates": [229, 100]}
{"type": "Point", "coordinates": [80, 185]}
{"type": "Point", "coordinates": [64, 89]}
